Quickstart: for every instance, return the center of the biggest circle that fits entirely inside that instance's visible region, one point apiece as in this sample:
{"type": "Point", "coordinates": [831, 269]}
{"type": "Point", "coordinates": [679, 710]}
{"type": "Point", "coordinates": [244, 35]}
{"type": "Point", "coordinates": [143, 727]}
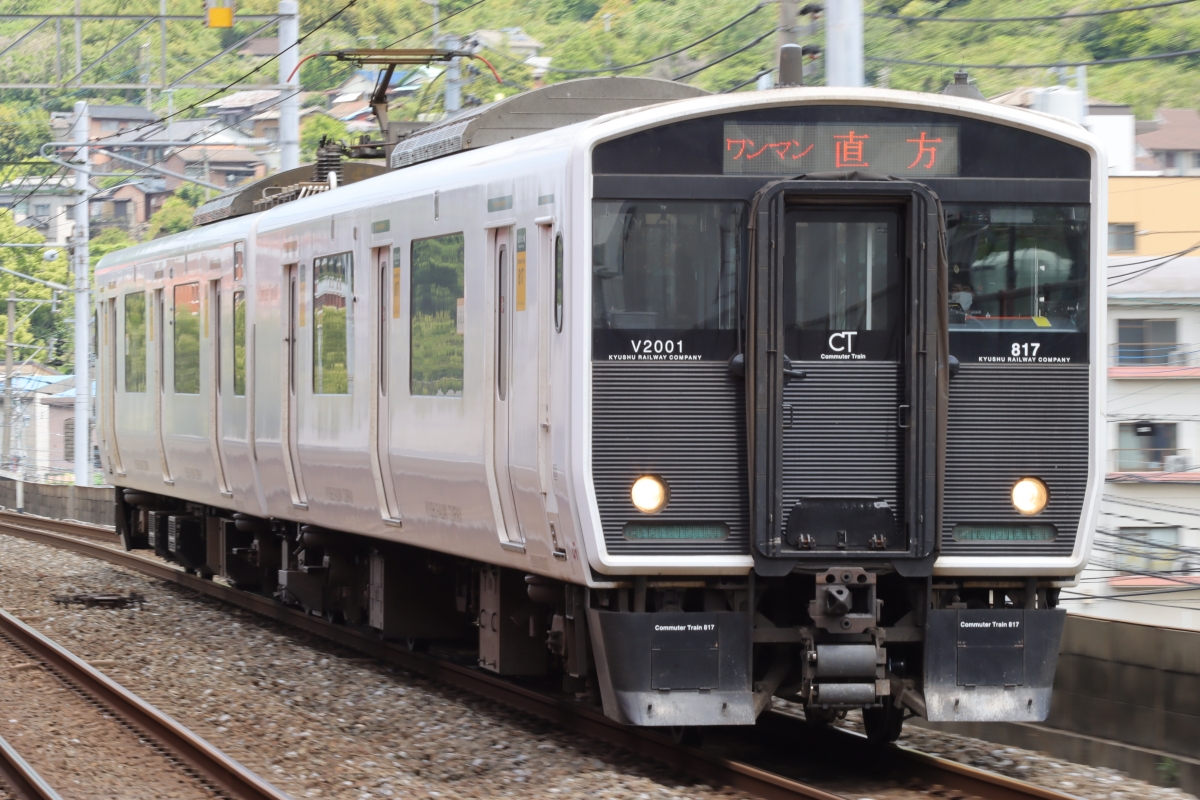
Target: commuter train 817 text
{"type": "Point", "coordinates": [692, 400]}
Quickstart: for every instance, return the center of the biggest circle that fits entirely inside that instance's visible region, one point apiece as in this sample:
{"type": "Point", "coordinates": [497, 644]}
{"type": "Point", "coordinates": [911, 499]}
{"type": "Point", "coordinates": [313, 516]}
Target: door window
{"type": "Point", "coordinates": [437, 316]}
{"type": "Point", "coordinates": [332, 323]}
{"type": "Point", "coordinates": [843, 289]}
{"type": "Point", "coordinates": [135, 342]}
{"type": "Point", "coordinates": [187, 338]}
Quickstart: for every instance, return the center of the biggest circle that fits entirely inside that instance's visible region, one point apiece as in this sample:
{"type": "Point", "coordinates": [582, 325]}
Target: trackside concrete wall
{"type": "Point", "coordinates": [82, 503]}
{"type": "Point", "coordinates": [1126, 696]}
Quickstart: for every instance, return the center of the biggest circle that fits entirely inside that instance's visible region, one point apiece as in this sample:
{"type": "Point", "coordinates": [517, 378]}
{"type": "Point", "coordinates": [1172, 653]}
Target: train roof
{"type": "Point", "coordinates": [581, 136]}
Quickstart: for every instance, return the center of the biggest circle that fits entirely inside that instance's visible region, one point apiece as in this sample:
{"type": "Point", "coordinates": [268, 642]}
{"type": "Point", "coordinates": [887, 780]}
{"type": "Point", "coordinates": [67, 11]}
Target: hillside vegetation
{"type": "Point", "coordinates": [594, 35]}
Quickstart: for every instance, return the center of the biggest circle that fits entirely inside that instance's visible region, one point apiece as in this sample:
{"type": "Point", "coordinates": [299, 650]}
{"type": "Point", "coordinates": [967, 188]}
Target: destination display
{"type": "Point", "coordinates": [896, 149]}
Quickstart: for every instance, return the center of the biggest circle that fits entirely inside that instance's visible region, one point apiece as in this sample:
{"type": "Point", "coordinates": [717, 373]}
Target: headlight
{"type": "Point", "coordinates": [1029, 496]}
{"type": "Point", "coordinates": [650, 494]}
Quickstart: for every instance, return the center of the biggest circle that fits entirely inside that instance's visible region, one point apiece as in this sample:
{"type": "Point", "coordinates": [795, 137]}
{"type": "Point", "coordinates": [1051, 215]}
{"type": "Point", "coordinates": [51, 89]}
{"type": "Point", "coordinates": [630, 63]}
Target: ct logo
{"type": "Point", "coordinates": [844, 341]}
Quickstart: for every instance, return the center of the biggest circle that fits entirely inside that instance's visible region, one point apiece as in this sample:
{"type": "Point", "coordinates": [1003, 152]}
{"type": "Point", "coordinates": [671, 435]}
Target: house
{"type": "Point", "coordinates": [48, 210]}
{"type": "Point", "coordinates": [29, 439]}
{"type": "Point", "coordinates": [264, 126]}
{"type": "Point", "coordinates": [104, 122]}
{"type": "Point", "coordinates": [1172, 140]}
{"type": "Point", "coordinates": [510, 40]}
{"type": "Point", "coordinates": [222, 165]}
{"type": "Point", "coordinates": [58, 462]}
{"type": "Point", "coordinates": [235, 108]}
{"type": "Point", "coordinates": [1146, 557]}
{"type": "Point", "coordinates": [128, 204]}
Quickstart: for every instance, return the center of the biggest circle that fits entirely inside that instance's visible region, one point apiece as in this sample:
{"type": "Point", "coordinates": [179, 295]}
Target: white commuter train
{"type": "Point", "coordinates": [694, 399]}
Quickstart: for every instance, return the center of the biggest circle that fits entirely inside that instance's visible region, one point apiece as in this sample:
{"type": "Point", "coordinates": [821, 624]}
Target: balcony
{"type": "Point", "coordinates": [1153, 360]}
{"type": "Point", "coordinates": [1152, 465]}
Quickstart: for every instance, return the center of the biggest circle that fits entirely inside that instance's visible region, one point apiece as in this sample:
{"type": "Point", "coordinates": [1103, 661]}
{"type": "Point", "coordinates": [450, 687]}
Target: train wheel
{"type": "Point", "coordinates": [819, 716]}
{"type": "Point", "coordinates": [883, 724]}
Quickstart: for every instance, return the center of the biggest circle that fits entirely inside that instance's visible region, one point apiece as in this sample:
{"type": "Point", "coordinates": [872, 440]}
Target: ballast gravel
{"type": "Point", "coordinates": [315, 720]}
{"type": "Point", "coordinates": [319, 721]}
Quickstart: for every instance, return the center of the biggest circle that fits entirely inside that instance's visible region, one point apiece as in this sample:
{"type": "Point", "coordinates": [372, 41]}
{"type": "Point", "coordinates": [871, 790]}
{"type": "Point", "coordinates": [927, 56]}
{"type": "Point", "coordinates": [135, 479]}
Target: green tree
{"type": "Point", "coordinates": [22, 131]}
{"type": "Point", "coordinates": [174, 216]}
{"type": "Point", "coordinates": [107, 241]}
{"type": "Point", "coordinates": [38, 326]}
{"type": "Point", "coordinates": [314, 128]}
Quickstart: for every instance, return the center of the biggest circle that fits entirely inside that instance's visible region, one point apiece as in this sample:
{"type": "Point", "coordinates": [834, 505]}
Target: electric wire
{"type": "Point", "coordinates": [299, 41]}
{"type": "Point", "coordinates": [764, 71]}
{"type": "Point", "coordinates": [727, 56]}
{"type": "Point", "coordinates": [677, 51]}
{"type": "Point", "coordinates": [439, 22]}
{"type": "Point", "coordinates": [1049, 18]}
{"type": "Point", "coordinates": [1097, 63]}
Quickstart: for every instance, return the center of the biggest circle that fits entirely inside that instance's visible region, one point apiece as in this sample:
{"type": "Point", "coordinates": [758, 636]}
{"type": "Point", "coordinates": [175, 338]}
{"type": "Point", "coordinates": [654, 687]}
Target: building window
{"type": "Point", "coordinates": [438, 316]}
{"type": "Point", "coordinates": [69, 439]}
{"type": "Point", "coordinates": [1149, 447]}
{"type": "Point", "coordinates": [1147, 342]}
{"type": "Point", "coordinates": [1168, 158]}
{"type": "Point", "coordinates": [239, 343]}
{"type": "Point", "coordinates": [1148, 550]}
{"type": "Point", "coordinates": [187, 338]}
{"type": "Point", "coordinates": [135, 342]}
{"type": "Point", "coordinates": [1121, 238]}
{"type": "Point", "coordinates": [109, 125]}
{"type": "Point", "coordinates": [332, 323]}
{"type": "Point", "coordinates": [41, 210]}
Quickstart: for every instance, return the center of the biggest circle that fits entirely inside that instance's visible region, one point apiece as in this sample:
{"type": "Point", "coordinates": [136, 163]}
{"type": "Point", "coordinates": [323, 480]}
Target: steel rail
{"type": "Point", "coordinates": [571, 716]}
{"type": "Point", "coordinates": [209, 762]}
{"type": "Point", "coordinates": [21, 779]}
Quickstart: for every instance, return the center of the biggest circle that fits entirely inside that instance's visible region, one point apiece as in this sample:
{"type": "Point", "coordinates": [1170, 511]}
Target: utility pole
{"type": "Point", "coordinates": [453, 98]}
{"type": "Point", "coordinates": [83, 384]}
{"type": "Point", "coordinates": [289, 109]}
{"type": "Point", "coordinates": [8, 376]}
{"type": "Point", "coordinates": [844, 43]}
{"type": "Point", "coordinates": [787, 24]}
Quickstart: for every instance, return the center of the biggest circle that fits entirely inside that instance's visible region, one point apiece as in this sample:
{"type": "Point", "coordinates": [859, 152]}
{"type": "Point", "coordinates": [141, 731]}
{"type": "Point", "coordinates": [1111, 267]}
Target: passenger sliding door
{"type": "Point", "coordinates": [387, 294]}
{"type": "Point", "coordinates": [292, 323]}
{"type": "Point", "coordinates": [502, 369]}
{"type": "Point", "coordinates": [844, 373]}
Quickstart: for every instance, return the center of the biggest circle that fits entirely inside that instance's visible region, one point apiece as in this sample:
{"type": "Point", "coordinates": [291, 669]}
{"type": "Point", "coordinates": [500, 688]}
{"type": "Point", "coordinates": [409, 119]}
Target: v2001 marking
{"type": "Point", "coordinates": [656, 345]}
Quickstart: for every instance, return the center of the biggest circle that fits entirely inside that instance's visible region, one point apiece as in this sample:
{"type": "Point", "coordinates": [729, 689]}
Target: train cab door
{"type": "Point", "coordinates": [846, 353]}
{"type": "Point", "coordinates": [503, 403]}
{"type": "Point", "coordinates": [292, 323]}
{"type": "Point", "coordinates": [387, 293]}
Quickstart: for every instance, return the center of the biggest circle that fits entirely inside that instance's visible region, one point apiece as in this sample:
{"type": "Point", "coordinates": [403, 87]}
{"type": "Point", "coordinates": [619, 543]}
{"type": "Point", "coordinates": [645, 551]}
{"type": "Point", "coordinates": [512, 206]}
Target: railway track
{"type": "Point", "coordinates": [73, 696]}
{"type": "Point", "coordinates": [919, 771]}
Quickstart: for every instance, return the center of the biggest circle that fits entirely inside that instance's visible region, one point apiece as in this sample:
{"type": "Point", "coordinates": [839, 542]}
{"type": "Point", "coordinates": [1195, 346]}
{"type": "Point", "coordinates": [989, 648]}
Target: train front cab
{"type": "Point", "coordinates": [850, 343]}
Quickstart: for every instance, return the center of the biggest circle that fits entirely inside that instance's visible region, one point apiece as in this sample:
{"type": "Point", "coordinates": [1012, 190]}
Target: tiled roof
{"type": "Point", "coordinates": [134, 113]}
{"type": "Point", "coordinates": [1179, 130]}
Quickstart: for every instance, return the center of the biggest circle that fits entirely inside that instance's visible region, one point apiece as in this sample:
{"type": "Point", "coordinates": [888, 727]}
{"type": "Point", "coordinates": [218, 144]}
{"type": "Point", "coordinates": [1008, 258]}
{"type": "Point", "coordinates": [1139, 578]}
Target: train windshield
{"type": "Point", "coordinates": [1018, 268]}
{"type": "Point", "coordinates": [666, 273]}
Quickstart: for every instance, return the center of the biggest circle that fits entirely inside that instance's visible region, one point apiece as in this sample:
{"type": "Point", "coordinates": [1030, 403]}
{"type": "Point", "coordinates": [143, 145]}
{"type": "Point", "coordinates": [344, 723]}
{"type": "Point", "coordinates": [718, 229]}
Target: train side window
{"type": "Point", "coordinates": [239, 260]}
{"type": "Point", "coordinates": [438, 316]}
{"type": "Point", "coordinates": [186, 322]}
{"type": "Point", "coordinates": [333, 321]}
{"type": "Point", "coordinates": [239, 344]}
{"type": "Point", "coordinates": [558, 283]}
{"type": "Point", "coordinates": [135, 342]}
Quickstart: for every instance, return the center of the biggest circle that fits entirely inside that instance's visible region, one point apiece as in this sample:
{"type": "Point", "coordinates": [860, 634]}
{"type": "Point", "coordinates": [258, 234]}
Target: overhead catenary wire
{"type": "Point", "coordinates": [463, 10]}
{"type": "Point", "coordinates": [1097, 63]}
{"type": "Point", "coordinates": [677, 51]}
{"type": "Point", "coordinates": [233, 83]}
{"type": "Point", "coordinates": [1047, 18]}
{"type": "Point", "coordinates": [758, 40]}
